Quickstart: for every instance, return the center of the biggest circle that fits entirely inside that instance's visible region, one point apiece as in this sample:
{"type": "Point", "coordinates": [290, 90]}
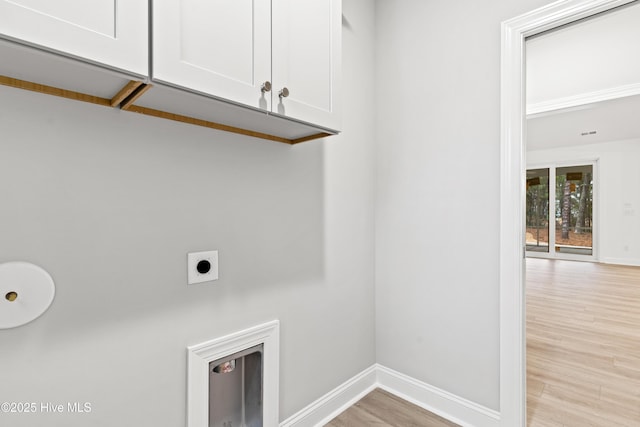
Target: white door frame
{"type": "Point", "coordinates": [512, 193]}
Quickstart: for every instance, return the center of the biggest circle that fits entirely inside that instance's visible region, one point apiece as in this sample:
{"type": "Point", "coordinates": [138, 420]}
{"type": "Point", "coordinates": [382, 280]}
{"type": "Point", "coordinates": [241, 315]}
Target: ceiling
{"type": "Point", "coordinates": [612, 120]}
{"type": "Point", "coordinates": [588, 58]}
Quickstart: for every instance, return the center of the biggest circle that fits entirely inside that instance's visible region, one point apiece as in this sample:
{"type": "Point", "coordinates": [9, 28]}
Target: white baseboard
{"type": "Point", "coordinates": [335, 402]}
{"type": "Point", "coordinates": [621, 261]}
{"type": "Point", "coordinates": [447, 405]}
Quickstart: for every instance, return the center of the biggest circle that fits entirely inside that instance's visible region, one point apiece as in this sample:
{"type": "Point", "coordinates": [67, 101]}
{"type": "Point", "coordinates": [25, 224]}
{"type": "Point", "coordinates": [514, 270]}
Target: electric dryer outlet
{"type": "Point", "coordinates": [202, 267]}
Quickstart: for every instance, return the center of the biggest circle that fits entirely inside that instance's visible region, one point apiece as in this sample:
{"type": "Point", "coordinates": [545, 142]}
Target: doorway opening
{"type": "Point", "coordinates": [513, 192]}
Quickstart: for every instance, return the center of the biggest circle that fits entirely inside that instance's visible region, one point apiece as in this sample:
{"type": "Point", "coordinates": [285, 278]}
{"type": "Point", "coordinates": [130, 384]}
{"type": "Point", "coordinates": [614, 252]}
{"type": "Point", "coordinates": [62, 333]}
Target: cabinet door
{"type": "Point", "coordinates": [307, 58]}
{"type": "Point", "coordinates": [110, 32]}
{"type": "Point", "coordinates": [216, 47]}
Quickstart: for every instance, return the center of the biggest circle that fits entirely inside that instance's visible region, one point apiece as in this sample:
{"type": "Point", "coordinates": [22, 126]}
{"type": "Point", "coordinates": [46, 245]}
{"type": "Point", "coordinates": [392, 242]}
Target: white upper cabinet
{"type": "Point", "coordinates": [307, 60]}
{"type": "Point", "coordinates": [264, 68]}
{"type": "Point", "coordinates": [108, 32]}
{"type": "Point", "coordinates": [215, 47]}
{"type": "Point", "coordinates": [248, 51]}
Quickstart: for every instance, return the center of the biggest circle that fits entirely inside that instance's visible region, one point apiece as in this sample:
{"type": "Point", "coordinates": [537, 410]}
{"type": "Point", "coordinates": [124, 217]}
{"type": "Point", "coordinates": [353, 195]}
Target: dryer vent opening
{"type": "Point", "coordinates": [236, 389]}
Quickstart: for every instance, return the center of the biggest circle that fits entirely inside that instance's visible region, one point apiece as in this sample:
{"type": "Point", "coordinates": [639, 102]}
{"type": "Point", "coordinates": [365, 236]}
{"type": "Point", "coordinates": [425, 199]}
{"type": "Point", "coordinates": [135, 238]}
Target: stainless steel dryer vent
{"type": "Point", "coordinates": [225, 367]}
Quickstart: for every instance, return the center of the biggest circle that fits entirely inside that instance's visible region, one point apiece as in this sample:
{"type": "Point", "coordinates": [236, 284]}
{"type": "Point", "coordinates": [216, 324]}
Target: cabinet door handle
{"type": "Point", "coordinates": [266, 87]}
{"type": "Point", "coordinates": [283, 93]}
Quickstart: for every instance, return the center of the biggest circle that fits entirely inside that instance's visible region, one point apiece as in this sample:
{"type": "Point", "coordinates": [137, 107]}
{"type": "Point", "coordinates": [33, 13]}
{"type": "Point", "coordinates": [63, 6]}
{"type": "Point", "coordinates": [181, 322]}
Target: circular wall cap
{"type": "Point", "coordinates": [26, 292]}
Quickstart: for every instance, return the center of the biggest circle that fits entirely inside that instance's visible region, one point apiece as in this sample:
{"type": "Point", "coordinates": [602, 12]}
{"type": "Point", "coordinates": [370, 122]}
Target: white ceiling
{"type": "Point", "coordinates": [613, 120]}
{"type": "Point", "coordinates": [580, 63]}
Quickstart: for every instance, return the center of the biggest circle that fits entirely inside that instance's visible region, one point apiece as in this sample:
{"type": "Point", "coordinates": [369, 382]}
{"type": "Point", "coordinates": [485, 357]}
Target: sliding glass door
{"type": "Point", "coordinates": [537, 235]}
{"type": "Point", "coordinates": [574, 210]}
{"type": "Point", "coordinates": [560, 217]}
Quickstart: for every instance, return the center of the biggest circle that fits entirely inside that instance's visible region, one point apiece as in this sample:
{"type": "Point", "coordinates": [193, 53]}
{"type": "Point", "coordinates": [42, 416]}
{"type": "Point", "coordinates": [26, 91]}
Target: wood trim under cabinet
{"type": "Point", "coordinates": [199, 122]}
{"type": "Point", "coordinates": [127, 90]}
{"type": "Point", "coordinates": [310, 137]}
{"type": "Point", "coordinates": [130, 93]}
{"type": "Point", "coordinates": [50, 90]}
{"type": "Point", "coordinates": [133, 97]}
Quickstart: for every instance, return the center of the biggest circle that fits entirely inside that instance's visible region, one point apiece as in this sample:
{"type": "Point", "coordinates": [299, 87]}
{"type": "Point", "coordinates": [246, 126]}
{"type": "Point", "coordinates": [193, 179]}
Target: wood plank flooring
{"type": "Point", "coordinates": [583, 344]}
{"type": "Point", "coordinates": [382, 409]}
{"type": "Point", "coordinates": [583, 353]}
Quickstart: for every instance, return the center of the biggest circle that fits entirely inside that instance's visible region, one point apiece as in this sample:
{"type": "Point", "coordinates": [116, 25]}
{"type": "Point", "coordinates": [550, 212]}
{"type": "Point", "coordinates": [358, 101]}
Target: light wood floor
{"type": "Point", "coordinates": [382, 409]}
{"type": "Point", "coordinates": [583, 353]}
{"type": "Point", "coordinates": [583, 344]}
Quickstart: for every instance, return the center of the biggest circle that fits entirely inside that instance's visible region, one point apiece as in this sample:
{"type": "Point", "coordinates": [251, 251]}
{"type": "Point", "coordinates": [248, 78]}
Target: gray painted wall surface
{"type": "Point", "coordinates": [437, 197]}
{"type": "Point", "coordinates": [111, 202]}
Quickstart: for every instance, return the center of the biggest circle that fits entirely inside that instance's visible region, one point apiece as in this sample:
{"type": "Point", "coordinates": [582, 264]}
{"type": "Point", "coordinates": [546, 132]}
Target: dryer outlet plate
{"type": "Point", "coordinates": [202, 267]}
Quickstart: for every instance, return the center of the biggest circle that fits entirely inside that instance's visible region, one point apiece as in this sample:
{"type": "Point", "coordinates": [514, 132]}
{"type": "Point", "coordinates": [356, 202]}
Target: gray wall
{"type": "Point", "coordinates": [111, 202]}
{"type": "Point", "coordinates": [437, 197]}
